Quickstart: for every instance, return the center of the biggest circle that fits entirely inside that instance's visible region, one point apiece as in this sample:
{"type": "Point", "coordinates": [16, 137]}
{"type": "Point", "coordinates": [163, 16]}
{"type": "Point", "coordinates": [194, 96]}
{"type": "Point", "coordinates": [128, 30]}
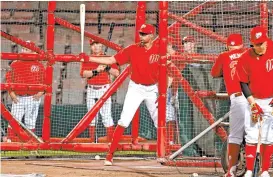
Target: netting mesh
{"type": "Point", "coordinates": [27, 20]}
{"type": "Point", "coordinates": [201, 34]}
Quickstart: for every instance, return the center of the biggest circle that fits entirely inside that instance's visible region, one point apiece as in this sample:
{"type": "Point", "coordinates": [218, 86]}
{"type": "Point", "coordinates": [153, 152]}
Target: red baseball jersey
{"type": "Point", "coordinates": [225, 65]}
{"type": "Point", "coordinates": [102, 78]}
{"type": "Point", "coordinates": [26, 72]}
{"type": "Point", "coordinates": [144, 63]}
{"type": "Point", "coordinates": [257, 71]}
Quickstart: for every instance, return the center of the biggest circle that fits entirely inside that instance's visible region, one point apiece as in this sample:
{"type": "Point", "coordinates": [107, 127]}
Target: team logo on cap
{"type": "Point", "coordinates": [232, 43]}
{"type": "Point", "coordinates": [143, 26]}
{"type": "Point", "coordinates": [258, 35]}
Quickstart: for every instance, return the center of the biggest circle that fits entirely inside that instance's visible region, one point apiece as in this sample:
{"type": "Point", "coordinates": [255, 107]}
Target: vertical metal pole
{"type": "Point", "coordinates": [49, 71]}
{"type": "Point", "coordinates": [162, 84]}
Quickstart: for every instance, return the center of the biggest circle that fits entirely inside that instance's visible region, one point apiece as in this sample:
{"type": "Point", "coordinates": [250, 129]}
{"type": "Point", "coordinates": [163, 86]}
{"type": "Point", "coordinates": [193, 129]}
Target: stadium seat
{"type": "Point", "coordinates": [68, 5]}
{"type": "Point", "coordinates": [30, 36]}
{"type": "Point", "coordinates": [60, 39]}
{"type": "Point", "coordinates": [5, 15]}
{"type": "Point", "coordinates": [69, 16]}
{"type": "Point", "coordinates": [74, 84]}
{"type": "Point", "coordinates": [109, 17]}
{"type": "Point", "coordinates": [204, 19]}
{"type": "Point", "coordinates": [59, 48]}
{"type": "Point", "coordinates": [152, 5]}
{"type": "Point", "coordinates": [132, 5]}
{"type": "Point", "coordinates": [92, 6]}
{"type": "Point", "coordinates": [16, 29]}
{"type": "Point", "coordinates": [24, 15]}
{"type": "Point", "coordinates": [92, 29]}
{"type": "Point", "coordinates": [73, 70]}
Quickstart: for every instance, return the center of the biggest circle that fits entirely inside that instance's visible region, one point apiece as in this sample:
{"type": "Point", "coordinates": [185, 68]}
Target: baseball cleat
{"type": "Point", "coordinates": [109, 160]}
{"type": "Point", "coordinates": [265, 174]}
{"type": "Point", "coordinates": [248, 173]}
{"type": "Point", "coordinates": [108, 163]}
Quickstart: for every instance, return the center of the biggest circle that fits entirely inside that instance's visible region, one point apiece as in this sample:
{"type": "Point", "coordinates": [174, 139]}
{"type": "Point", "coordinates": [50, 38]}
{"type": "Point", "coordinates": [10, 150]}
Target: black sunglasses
{"type": "Point", "coordinates": [143, 34]}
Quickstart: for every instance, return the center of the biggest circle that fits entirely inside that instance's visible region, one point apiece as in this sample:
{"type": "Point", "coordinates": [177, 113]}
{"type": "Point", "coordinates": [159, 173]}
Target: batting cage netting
{"type": "Point", "coordinates": [50, 105]}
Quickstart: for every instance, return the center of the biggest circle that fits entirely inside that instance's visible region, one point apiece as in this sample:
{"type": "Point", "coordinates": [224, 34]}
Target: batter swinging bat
{"type": "Point", "coordinates": [82, 23]}
{"type": "Point", "coordinates": [257, 157]}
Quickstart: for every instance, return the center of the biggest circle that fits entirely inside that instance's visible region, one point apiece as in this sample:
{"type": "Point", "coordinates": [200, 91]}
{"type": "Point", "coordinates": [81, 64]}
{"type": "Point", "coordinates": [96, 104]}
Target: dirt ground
{"type": "Point", "coordinates": [95, 168]}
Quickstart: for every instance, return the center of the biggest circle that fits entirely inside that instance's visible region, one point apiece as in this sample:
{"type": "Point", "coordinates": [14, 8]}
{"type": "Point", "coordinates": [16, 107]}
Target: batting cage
{"type": "Point", "coordinates": [55, 103]}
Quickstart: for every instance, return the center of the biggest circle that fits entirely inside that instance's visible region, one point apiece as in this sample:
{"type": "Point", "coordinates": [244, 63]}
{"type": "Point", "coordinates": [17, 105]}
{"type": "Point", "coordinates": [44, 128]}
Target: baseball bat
{"type": "Point", "coordinates": [177, 117]}
{"type": "Point", "coordinates": [29, 131]}
{"type": "Point", "coordinates": [257, 161]}
{"type": "Point", "coordinates": [82, 23]}
{"type": "Point", "coordinates": [112, 25]}
{"type": "Point", "coordinates": [175, 154]}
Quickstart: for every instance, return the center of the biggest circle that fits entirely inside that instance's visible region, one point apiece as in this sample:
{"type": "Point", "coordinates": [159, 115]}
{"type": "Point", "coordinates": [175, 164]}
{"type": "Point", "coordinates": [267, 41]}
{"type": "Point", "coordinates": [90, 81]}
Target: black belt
{"type": "Point", "coordinates": [97, 87]}
{"type": "Point", "coordinates": [24, 95]}
{"type": "Point", "coordinates": [238, 94]}
{"type": "Point", "coordinates": [146, 84]}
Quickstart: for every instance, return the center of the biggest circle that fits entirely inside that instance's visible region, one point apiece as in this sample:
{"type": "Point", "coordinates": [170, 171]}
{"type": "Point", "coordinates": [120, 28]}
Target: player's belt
{"type": "Point", "coordinates": [145, 84]}
{"type": "Point", "coordinates": [234, 95]}
{"type": "Point", "coordinates": [97, 87]}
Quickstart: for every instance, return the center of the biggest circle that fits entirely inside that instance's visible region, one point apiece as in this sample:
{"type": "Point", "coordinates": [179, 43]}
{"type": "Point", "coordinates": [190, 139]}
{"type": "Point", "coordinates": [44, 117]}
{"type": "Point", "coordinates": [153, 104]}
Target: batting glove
{"type": "Point", "coordinates": [256, 113]}
{"type": "Point", "coordinates": [83, 57]}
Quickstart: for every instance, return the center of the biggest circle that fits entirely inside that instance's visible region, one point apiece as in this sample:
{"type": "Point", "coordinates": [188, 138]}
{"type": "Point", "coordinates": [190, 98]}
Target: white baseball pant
{"type": "Point", "coordinates": [92, 96]}
{"type": "Point", "coordinates": [26, 106]}
{"type": "Point", "coordinates": [135, 95]}
{"type": "Point", "coordinates": [238, 112]}
{"type": "Point", "coordinates": [170, 109]}
{"type": "Point", "coordinates": [252, 130]}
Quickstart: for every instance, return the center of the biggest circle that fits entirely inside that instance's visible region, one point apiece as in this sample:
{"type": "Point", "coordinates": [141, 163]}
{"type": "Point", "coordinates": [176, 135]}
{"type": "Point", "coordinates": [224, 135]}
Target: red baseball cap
{"type": "Point", "coordinates": [234, 39]}
{"type": "Point", "coordinates": [147, 29]}
{"type": "Point", "coordinates": [30, 42]}
{"type": "Point", "coordinates": [258, 35]}
{"type": "Point", "coordinates": [91, 42]}
{"type": "Point", "coordinates": [188, 39]}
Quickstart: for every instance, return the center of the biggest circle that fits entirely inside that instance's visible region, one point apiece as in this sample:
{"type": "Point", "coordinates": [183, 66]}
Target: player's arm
{"type": "Point", "coordinates": [13, 96]}
{"type": "Point", "coordinates": [91, 73]}
{"type": "Point", "coordinates": [217, 68]}
{"type": "Point", "coordinates": [103, 60]}
{"type": "Point", "coordinates": [112, 71]}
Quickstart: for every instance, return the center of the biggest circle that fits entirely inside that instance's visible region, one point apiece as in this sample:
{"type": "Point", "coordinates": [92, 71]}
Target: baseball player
{"type": "Point", "coordinates": [188, 43]}
{"type": "Point", "coordinates": [225, 65]}
{"type": "Point", "coordinates": [144, 60]}
{"type": "Point", "coordinates": [255, 72]}
{"type": "Point", "coordinates": [98, 79]}
{"type": "Point", "coordinates": [25, 102]}
{"type": "Point", "coordinates": [172, 103]}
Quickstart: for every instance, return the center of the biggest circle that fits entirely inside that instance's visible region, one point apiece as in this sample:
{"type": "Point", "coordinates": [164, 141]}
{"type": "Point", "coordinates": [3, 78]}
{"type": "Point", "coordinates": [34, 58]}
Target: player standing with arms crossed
{"type": "Point", "coordinates": [25, 102]}
{"type": "Point", "coordinates": [98, 79]}
{"type": "Point", "coordinates": [225, 65]}
{"type": "Point", "coordinates": [255, 72]}
{"type": "Point", "coordinates": [144, 60]}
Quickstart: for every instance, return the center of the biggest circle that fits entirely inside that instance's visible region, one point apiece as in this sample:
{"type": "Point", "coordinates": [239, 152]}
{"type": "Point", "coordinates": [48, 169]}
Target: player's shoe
{"type": "Point", "coordinates": [231, 173]}
{"type": "Point", "coordinates": [248, 173]}
{"type": "Point", "coordinates": [109, 160]}
{"type": "Point", "coordinates": [265, 174]}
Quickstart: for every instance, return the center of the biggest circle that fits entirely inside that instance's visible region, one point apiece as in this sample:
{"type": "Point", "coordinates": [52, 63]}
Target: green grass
{"type": "Point", "coordinates": [59, 154]}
